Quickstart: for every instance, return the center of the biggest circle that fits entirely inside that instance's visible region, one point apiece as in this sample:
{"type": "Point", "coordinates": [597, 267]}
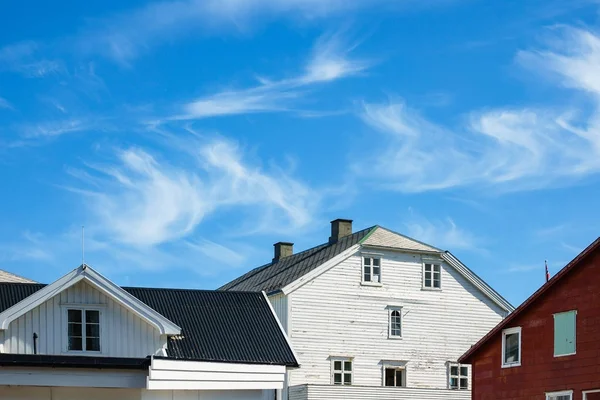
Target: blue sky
{"type": "Point", "coordinates": [189, 136]}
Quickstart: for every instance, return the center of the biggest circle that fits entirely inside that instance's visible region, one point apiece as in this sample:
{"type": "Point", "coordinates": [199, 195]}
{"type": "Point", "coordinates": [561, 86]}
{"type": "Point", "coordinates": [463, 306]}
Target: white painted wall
{"type": "Point", "coordinates": [328, 392]}
{"type": "Point", "coordinates": [123, 333]}
{"type": "Point", "coordinates": [334, 315]}
{"type": "Point", "coordinates": [46, 393]}
{"type": "Point", "coordinates": [280, 305]}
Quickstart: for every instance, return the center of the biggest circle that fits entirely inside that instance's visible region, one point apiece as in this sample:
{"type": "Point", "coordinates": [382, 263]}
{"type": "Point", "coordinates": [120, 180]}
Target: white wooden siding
{"type": "Point", "coordinates": [280, 305]}
{"type": "Point", "coordinates": [47, 393]}
{"type": "Point", "coordinates": [334, 315]}
{"type": "Point", "coordinates": [123, 334]}
{"type": "Point", "coordinates": [328, 392]}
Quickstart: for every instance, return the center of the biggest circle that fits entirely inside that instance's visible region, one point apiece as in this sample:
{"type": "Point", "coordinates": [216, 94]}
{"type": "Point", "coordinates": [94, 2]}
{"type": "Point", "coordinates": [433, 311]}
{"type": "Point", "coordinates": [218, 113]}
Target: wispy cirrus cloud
{"type": "Point", "coordinates": [330, 60]}
{"type": "Point", "coordinates": [5, 104]}
{"type": "Point", "coordinates": [25, 58]}
{"type": "Point", "coordinates": [441, 233]}
{"type": "Point", "coordinates": [511, 148]}
{"type": "Point", "coordinates": [146, 201]}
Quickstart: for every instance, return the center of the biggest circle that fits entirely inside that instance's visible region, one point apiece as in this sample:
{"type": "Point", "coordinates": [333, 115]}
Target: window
{"type": "Point", "coordinates": [395, 322]}
{"type": "Point", "coordinates": [372, 269]}
{"type": "Point", "coordinates": [432, 276]}
{"type": "Point", "coordinates": [458, 377]}
{"type": "Point", "coordinates": [511, 347]}
{"type": "Point", "coordinates": [83, 330]}
{"type": "Point", "coordinates": [341, 371]}
{"type": "Point", "coordinates": [564, 333]}
{"type": "Point", "coordinates": [564, 395]}
{"type": "Point", "coordinates": [591, 394]}
{"type": "Point", "coordinates": [394, 376]}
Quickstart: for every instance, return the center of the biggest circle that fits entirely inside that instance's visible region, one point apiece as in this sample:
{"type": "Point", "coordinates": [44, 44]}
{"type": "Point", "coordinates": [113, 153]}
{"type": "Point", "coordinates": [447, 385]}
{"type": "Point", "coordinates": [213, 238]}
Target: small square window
{"type": "Point", "coordinates": [432, 276]}
{"type": "Point", "coordinates": [371, 270]}
{"type": "Point", "coordinates": [341, 371]}
{"type": "Point", "coordinates": [458, 377]}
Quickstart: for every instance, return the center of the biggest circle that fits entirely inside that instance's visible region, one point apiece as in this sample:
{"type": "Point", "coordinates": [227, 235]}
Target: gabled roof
{"type": "Point", "coordinates": [237, 327]}
{"type": "Point", "coordinates": [555, 280]}
{"type": "Point", "coordinates": [276, 275]}
{"type": "Point", "coordinates": [86, 273]}
{"type": "Point", "coordinates": [6, 276]}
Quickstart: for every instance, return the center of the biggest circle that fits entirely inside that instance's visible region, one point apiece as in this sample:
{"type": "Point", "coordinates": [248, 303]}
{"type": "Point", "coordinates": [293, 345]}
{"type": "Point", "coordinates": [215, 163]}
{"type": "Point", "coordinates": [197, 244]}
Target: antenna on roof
{"type": "Point", "coordinates": [83, 247]}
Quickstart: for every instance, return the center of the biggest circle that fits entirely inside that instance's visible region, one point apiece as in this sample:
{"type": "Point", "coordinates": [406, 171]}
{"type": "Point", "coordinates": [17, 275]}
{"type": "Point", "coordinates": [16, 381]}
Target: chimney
{"type": "Point", "coordinates": [339, 229]}
{"type": "Point", "coordinates": [282, 250]}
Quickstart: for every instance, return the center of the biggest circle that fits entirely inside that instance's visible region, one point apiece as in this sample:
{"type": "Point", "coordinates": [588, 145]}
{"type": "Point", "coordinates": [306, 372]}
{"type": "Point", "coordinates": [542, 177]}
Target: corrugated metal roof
{"type": "Point", "coordinates": [6, 276]}
{"type": "Point", "coordinates": [216, 326]}
{"type": "Point", "coordinates": [276, 275]}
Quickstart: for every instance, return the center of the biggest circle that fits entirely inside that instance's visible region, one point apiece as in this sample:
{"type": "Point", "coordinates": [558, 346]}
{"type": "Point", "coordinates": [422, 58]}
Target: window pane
{"type": "Point", "coordinates": [92, 316]}
{"type": "Point", "coordinates": [367, 277]}
{"type": "Point", "coordinates": [389, 377]}
{"type": "Point", "coordinates": [376, 271]}
{"type": "Point", "coordinates": [511, 354]}
{"type": "Point", "coordinates": [453, 383]}
{"type": "Point", "coordinates": [337, 365]}
{"type": "Point", "coordinates": [454, 370]}
{"type": "Point", "coordinates": [399, 377]}
{"type": "Point", "coordinates": [347, 379]}
{"type": "Point", "coordinates": [92, 330]}
{"type": "Point", "coordinates": [376, 262]}
{"type": "Point", "coordinates": [367, 261]}
{"type": "Point", "coordinates": [74, 329]}
{"type": "Point", "coordinates": [75, 343]}
{"type": "Point", "coordinates": [428, 268]}
{"type": "Point", "coordinates": [464, 383]}
{"type": "Point", "coordinates": [337, 379]}
{"type": "Point", "coordinates": [347, 365]}
{"type": "Point", "coordinates": [436, 282]}
{"type": "Point", "coordinates": [427, 282]}
{"type": "Point", "coordinates": [436, 269]}
{"type": "Point", "coordinates": [464, 371]}
{"type": "Point", "coordinates": [427, 275]}
{"type": "Point", "coordinates": [74, 315]}
{"type": "Point", "coordinates": [92, 344]}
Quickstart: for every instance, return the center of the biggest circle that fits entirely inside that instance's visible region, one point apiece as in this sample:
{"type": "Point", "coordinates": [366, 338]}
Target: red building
{"type": "Point", "coordinates": [549, 347]}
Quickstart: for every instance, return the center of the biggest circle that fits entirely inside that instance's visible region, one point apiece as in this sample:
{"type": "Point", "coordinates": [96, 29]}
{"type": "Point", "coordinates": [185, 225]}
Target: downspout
{"type": "Point", "coordinates": [35, 338]}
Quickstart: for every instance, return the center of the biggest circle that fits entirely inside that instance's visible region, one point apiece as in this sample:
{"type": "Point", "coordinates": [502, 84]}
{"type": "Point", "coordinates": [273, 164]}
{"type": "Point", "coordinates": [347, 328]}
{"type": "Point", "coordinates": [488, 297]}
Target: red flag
{"type": "Point", "coordinates": [547, 273]}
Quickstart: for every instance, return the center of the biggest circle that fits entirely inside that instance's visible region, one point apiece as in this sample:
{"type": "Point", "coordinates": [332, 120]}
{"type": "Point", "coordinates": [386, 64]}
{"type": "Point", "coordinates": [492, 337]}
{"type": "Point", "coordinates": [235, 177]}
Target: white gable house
{"type": "Point", "coordinates": [376, 315]}
{"type": "Point", "coordinates": [84, 337]}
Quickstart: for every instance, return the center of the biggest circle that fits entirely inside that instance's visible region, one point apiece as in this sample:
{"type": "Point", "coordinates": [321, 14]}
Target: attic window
{"type": "Point", "coordinates": [432, 276]}
{"type": "Point", "coordinates": [372, 270]}
{"type": "Point", "coordinates": [83, 330]}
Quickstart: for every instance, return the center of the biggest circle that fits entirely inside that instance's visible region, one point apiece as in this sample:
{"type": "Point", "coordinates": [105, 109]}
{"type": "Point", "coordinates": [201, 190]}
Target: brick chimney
{"type": "Point", "coordinates": [339, 229]}
{"type": "Point", "coordinates": [282, 250]}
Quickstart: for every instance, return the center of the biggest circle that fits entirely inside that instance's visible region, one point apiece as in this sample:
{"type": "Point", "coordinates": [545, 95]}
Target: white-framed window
{"type": "Point", "coordinates": [563, 395]}
{"type": "Point", "coordinates": [565, 333]}
{"type": "Point", "coordinates": [83, 329]}
{"type": "Point", "coordinates": [458, 376]}
{"type": "Point", "coordinates": [341, 371]}
{"type": "Point", "coordinates": [591, 394]}
{"type": "Point", "coordinates": [511, 347]}
{"type": "Point", "coordinates": [371, 269]}
{"type": "Point", "coordinates": [394, 376]}
{"type": "Point", "coordinates": [432, 276]}
{"type": "Point", "coordinates": [395, 322]}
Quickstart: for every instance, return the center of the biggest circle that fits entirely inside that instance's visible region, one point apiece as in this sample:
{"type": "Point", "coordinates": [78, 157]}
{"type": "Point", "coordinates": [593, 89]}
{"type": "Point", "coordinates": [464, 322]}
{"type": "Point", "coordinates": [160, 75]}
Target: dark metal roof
{"type": "Point", "coordinates": [215, 326]}
{"type": "Point", "coordinates": [60, 361]}
{"type": "Point", "coordinates": [276, 275]}
{"type": "Point", "coordinates": [555, 280]}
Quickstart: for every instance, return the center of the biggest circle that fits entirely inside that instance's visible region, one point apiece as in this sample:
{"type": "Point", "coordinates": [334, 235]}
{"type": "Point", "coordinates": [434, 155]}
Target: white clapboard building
{"type": "Point", "coordinates": [84, 337]}
{"type": "Point", "coordinates": [376, 315]}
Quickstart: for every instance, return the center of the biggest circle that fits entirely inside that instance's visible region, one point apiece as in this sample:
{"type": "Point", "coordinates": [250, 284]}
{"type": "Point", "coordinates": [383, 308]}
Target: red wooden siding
{"type": "Point", "coordinates": [540, 371]}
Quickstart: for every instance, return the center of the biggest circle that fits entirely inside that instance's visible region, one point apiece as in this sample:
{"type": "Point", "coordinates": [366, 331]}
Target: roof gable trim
{"type": "Point", "coordinates": [287, 339]}
{"type": "Point", "coordinates": [84, 272]}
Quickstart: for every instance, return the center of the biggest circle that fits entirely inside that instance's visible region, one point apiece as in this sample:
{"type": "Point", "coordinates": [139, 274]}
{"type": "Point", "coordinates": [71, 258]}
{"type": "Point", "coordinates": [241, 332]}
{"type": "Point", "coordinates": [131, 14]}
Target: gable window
{"type": "Point", "coordinates": [564, 333]}
{"type": "Point", "coordinates": [432, 276]}
{"type": "Point", "coordinates": [458, 377]}
{"type": "Point", "coordinates": [394, 376]}
{"type": "Point", "coordinates": [341, 371]}
{"type": "Point", "coordinates": [511, 347]}
{"type": "Point", "coordinates": [83, 330]}
{"type": "Point", "coordinates": [395, 322]}
{"type": "Point", "coordinates": [564, 395]}
{"type": "Point", "coordinates": [372, 269]}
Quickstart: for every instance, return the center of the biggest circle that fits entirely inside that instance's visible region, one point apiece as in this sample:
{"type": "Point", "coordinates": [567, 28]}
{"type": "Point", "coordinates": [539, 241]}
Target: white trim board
{"type": "Point", "coordinates": [72, 377]}
{"type": "Point", "coordinates": [87, 274]}
{"type": "Point", "coordinates": [287, 339]}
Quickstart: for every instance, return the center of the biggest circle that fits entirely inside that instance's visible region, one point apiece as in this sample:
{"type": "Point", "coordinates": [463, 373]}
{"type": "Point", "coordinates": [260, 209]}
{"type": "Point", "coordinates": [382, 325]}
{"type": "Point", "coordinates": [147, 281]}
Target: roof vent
{"type": "Point", "coordinates": [339, 229]}
{"type": "Point", "coordinates": [282, 250]}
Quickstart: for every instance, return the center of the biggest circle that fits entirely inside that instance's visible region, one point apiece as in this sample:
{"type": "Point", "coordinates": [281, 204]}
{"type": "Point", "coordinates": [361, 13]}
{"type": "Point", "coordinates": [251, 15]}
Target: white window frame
{"type": "Point", "coordinates": [342, 371]}
{"type": "Point", "coordinates": [433, 265]}
{"type": "Point", "coordinates": [550, 395]}
{"type": "Point", "coordinates": [83, 308]}
{"type": "Point", "coordinates": [396, 365]}
{"type": "Point", "coordinates": [362, 269]}
{"type": "Point", "coordinates": [459, 376]}
{"type": "Point", "coordinates": [510, 331]}
{"type": "Point", "coordinates": [391, 309]}
{"type": "Point", "coordinates": [586, 392]}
